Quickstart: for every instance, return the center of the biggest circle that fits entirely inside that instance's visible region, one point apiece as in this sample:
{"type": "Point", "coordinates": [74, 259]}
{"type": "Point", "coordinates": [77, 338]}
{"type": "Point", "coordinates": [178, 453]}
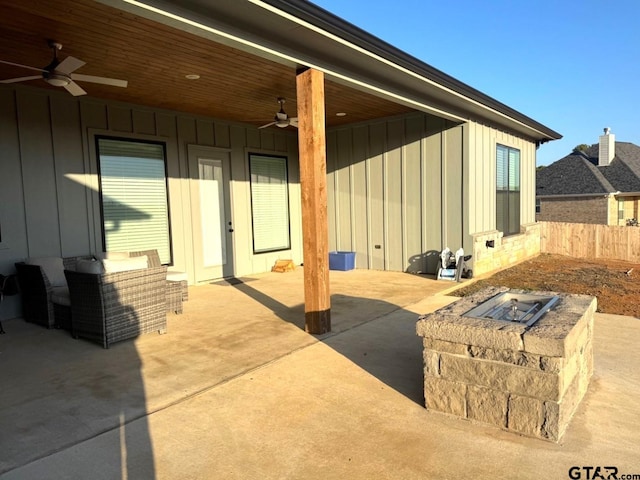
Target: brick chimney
{"type": "Point", "coordinates": [606, 148]}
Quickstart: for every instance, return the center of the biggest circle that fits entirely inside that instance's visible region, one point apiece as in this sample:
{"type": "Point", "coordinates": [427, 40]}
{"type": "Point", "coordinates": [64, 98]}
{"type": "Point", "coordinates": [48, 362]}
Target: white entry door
{"type": "Point", "coordinates": [211, 213]}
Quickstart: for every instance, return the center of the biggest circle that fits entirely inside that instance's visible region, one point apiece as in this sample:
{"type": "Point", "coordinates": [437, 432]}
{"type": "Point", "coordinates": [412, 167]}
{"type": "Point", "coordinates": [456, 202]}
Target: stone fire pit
{"type": "Point", "coordinates": [526, 375]}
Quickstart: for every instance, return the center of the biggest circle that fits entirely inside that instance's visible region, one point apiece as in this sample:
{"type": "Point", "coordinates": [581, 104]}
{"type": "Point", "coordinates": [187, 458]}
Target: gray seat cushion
{"type": "Point", "coordinates": [89, 266]}
{"type": "Point", "coordinates": [177, 276]}
{"type": "Point", "coordinates": [60, 295]}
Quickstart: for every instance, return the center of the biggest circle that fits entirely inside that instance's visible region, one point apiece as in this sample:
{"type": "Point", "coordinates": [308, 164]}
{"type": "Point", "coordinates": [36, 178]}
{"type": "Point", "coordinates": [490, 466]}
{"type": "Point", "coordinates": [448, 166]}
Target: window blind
{"type": "Point", "coordinates": [514, 192]}
{"type": "Point", "coordinates": [269, 203]}
{"type": "Point", "coordinates": [507, 190]}
{"type": "Point", "coordinates": [133, 189]}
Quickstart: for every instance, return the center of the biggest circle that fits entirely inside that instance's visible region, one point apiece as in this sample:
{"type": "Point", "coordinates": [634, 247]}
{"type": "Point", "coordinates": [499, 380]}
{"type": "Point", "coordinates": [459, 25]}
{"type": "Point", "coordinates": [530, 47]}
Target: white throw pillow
{"type": "Point", "coordinates": [123, 265]}
{"type": "Point", "coordinates": [113, 255]}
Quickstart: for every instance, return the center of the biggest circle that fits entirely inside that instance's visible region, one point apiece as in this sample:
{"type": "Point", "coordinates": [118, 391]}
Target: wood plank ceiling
{"type": "Point", "coordinates": [155, 58]}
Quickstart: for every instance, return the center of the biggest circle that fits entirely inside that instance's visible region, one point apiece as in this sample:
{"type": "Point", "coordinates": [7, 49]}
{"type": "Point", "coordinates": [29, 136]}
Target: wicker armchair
{"type": "Point", "coordinates": [110, 307]}
{"type": "Point", "coordinates": [177, 290]}
{"type": "Point", "coordinates": [36, 290]}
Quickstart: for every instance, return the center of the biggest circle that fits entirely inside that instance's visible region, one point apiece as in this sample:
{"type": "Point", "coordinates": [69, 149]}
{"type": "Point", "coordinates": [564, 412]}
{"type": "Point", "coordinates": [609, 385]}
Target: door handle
{"type": "Point", "coordinates": [231, 230]}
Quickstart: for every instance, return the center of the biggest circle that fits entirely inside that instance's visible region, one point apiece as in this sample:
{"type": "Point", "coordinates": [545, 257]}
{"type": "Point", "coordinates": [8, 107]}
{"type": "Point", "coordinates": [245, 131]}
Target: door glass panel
{"type": "Point", "coordinates": [214, 248]}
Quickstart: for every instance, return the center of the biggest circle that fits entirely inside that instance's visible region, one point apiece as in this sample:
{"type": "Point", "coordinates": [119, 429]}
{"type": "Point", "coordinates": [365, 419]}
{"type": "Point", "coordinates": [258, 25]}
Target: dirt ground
{"type": "Point", "coordinates": [616, 284]}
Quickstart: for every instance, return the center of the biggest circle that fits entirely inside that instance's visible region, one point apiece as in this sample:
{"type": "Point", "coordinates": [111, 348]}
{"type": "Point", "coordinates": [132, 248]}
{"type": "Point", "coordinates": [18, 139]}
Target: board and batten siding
{"type": "Point", "coordinates": [402, 189]}
{"type": "Point", "coordinates": [481, 168]}
{"type": "Point", "coordinates": [492, 250]}
{"type": "Point", "coordinates": [395, 191]}
{"type": "Point", "coordinates": [49, 203]}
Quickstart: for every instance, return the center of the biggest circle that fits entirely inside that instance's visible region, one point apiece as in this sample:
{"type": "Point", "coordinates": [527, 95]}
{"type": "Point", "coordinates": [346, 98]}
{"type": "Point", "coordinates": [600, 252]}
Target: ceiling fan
{"type": "Point", "coordinates": [281, 119]}
{"type": "Point", "coordinates": [60, 73]}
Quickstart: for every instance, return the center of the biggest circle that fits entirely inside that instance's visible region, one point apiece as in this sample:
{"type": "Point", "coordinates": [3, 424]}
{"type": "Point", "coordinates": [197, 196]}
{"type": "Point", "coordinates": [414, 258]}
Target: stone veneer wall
{"type": "Point", "coordinates": [507, 251]}
{"type": "Point", "coordinates": [528, 381]}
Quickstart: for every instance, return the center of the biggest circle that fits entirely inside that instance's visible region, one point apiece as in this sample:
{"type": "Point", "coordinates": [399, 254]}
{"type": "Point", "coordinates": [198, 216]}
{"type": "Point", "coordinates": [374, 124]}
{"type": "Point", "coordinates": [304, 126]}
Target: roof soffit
{"type": "Point", "coordinates": [262, 29]}
{"type": "Point", "coordinates": [155, 58]}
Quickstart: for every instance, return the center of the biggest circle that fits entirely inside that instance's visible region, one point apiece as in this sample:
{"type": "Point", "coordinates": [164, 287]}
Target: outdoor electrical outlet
{"type": "Point", "coordinates": [490, 243]}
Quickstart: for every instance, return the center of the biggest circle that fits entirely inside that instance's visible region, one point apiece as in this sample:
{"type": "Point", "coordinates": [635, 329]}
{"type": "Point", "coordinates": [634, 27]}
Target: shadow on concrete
{"type": "Point", "coordinates": [58, 392]}
{"type": "Point", "coordinates": [386, 346]}
{"type": "Point", "coordinates": [377, 336]}
{"type": "Point", "coordinates": [293, 315]}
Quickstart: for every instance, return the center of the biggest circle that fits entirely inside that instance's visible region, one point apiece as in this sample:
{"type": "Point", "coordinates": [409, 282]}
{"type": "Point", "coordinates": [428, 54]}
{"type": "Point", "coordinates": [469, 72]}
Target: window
{"type": "Point", "coordinates": [538, 206]}
{"type": "Point", "coordinates": [269, 203]}
{"type": "Point", "coordinates": [507, 190]}
{"type": "Point", "coordinates": [620, 209]}
{"type": "Point", "coordinates": [133, 196]}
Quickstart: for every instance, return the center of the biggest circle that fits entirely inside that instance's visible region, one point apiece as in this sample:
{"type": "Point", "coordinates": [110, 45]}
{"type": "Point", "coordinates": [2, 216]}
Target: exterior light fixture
{"type": "Point", "coordinates": [57, 80]}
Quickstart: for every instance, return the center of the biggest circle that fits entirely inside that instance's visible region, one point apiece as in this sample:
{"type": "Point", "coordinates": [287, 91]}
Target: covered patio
{"type": "Point", "coordinates": [237, 389]}
{"type": "Point", "coordinates": [388, 157]}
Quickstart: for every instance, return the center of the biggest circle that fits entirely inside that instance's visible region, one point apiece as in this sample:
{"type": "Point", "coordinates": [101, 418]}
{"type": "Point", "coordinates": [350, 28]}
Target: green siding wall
{"type": "Point", "coordinates": [399, 189]}
{"type": "Point", "coordinates": [413, 185]}
{"type": "Point", "coordinates": [49, 186]}
{"type": "Point", "coordinates": [389, 201]}
{"type": "Point", "coordinates": [481, 187]}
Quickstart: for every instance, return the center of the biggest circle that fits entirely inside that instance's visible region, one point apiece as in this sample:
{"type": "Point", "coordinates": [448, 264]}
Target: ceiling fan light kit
{"type": "Point", "coordinates": [56, 80]}
{"type": "Point", "coordinates": [60, 73]}
{"type": "Point", "coordinates": [281, 119]}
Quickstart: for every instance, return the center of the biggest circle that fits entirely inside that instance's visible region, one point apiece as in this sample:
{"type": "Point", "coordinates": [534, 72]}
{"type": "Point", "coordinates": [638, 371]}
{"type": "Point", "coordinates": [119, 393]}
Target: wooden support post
{"type": "Point", "coordinates": [313, 185]}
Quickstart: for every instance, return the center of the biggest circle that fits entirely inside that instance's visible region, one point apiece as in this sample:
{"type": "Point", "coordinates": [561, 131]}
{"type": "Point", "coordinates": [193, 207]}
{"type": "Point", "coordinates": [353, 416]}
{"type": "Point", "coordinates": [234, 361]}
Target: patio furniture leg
{"type": "Point", "coordinates": [1, 329]}
{"type": "Point", "coordinates": [174, 297]}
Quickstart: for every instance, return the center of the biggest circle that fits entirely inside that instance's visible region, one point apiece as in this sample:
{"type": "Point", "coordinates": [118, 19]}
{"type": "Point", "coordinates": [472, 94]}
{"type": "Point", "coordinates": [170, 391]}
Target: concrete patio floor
{"type": "Point", "coordinates": [237, 390]}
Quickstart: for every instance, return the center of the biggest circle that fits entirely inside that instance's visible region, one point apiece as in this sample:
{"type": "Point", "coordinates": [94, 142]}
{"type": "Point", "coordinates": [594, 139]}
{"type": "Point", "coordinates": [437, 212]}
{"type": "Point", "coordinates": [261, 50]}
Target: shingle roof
{"type": "Point", "coordinates": [578, 173]}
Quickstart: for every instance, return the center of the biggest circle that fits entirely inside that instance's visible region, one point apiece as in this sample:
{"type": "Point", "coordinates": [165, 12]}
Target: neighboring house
{"type": "Point", "coordinates": [393, 160]}
{"type": "Point", "coordinates": [600, 184]}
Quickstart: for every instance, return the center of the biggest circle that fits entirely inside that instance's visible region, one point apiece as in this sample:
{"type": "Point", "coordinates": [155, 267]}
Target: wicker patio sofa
{"type": "Point", "coordinates": [111, 307]}
{"type": "Point", "coordinates": [44, 299]}
{"type": "Point", "coordinates": [177, 286]}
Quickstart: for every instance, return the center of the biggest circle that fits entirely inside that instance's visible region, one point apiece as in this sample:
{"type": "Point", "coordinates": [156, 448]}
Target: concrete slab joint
{"type": "Point", "coordinates": [528, 380]}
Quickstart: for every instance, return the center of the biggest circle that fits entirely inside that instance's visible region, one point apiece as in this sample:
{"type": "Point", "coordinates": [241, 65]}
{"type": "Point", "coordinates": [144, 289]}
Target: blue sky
{"type": "Point", "coordinates": [572, 65]}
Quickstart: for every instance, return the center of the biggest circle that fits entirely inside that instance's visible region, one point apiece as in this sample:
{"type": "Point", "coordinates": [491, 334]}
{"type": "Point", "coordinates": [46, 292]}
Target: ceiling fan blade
{"type": "Point", "coordinates": [268, 125]}
{"type": "Point", "coordinates": [68, 65]}
{"type": "Point", "coordinates": [21, 79]}
{"type": "Point", "coordinates": [293, 121]}
{"type": "Point", "coordinates": [23, 66]}
{"type": "Point", "coordinates": [104, 80]}
{"type": "Point", "coordinates": [74, 89]}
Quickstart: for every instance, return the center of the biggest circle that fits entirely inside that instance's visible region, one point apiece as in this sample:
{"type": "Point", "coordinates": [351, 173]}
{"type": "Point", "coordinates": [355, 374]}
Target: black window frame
{"type": "Point", "coordinates": [508, 198]}
{"type": "Point", "coordinates": [285, 159]}
{"type": "Point", "coordinates": [160, 143]}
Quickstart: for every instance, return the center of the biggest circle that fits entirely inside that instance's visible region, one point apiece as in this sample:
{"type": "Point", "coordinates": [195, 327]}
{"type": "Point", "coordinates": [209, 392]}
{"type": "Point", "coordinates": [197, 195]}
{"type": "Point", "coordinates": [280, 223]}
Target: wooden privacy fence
{"type": "Point", "coordinates": [583, 240]}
